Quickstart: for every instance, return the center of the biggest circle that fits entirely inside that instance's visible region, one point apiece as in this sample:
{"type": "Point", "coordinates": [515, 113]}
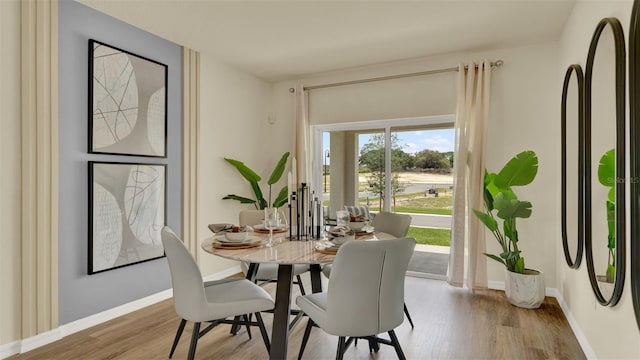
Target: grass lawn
{"type": "Point", "coordinates": [418, 203]}
{"type": "Point", "coordinates": [428, 236]}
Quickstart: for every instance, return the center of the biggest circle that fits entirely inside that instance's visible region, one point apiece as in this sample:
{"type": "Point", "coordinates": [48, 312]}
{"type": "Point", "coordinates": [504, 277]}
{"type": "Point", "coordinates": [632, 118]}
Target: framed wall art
{"type": "Point", "coordinates": [127, 210]}
{"type": "Point", "coordinates": [127, 103]}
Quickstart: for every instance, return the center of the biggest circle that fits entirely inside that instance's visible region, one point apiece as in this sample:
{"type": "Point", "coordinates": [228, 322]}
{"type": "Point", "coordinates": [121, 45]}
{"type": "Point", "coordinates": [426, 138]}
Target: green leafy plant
{"type": "Point", "coordinates": [253, 178]}
{"type": "Point", "coordinates": [501, 203]}
{"type": "Point", "coordinates": [607, 177]}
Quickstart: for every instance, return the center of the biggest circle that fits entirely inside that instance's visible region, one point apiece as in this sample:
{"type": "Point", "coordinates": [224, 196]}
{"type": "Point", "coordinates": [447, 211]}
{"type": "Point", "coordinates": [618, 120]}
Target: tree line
{"type": "Point", "coordinates": [373, 152]}
{"type": "Point", "coordinates": [372, 160]}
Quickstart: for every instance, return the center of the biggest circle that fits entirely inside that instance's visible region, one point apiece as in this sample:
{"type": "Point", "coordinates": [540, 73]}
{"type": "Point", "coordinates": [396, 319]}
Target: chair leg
{"type": "Point", "coordinates": [300, 285]}
{"type": "Point", "coordinates": [373, 345]}
{"type": "Point", "coordinates": [305, 337]}
{"type": "Point", "coordinates": [183, 322]}
{"type": "Point", "coordinates": [396, 345]}
{"type": "Point", "coordinates": [341, 348]}
{"type": "Point", "coordinates": [247, 319]}
{"type": "Point", "coordinates": [406, 312]}
{"type": "Point", "coordinates": [194, 341]}
{"type": "Point", "coordinates": [263, 332]}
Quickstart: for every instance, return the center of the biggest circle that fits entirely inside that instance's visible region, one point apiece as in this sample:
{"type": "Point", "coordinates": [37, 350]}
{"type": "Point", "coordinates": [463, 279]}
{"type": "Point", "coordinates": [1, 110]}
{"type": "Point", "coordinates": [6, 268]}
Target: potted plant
{"type": "Point", "coordinates": [253, 178]}
{"type": "Point", "coordinates": [523, 287]}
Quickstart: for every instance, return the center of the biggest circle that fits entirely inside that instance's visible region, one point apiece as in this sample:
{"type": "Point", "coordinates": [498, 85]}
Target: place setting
{"type": "Point", "coordinates": [229, 236]}
{"type": "Point", "coordinates": [336, 237]}
{"type": "Point", "coordinates": [262, 229]}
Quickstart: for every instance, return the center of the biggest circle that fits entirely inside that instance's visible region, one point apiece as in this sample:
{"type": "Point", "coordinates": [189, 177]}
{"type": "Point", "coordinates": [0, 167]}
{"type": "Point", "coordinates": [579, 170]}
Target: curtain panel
{"type": "Point", "coordinates": [467, 264]}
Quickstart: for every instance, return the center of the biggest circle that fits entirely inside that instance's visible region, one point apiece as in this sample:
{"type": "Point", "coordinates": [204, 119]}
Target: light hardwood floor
{"type": "Point", "coordinates": [450, 323]}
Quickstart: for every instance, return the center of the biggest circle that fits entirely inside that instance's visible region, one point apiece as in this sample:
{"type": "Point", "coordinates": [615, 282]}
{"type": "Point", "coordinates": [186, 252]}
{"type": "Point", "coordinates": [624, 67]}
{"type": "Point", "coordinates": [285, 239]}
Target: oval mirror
{"type": "Point", "coordinates": [634, 133]}
{"type": "Point", "coordinates": [572, 128]}
{"type": "Point", "coordinates": [604, 165]}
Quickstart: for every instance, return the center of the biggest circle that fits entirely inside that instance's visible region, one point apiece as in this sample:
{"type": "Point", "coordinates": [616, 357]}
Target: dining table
{"type": "Point", "coordinates": [286, 253]}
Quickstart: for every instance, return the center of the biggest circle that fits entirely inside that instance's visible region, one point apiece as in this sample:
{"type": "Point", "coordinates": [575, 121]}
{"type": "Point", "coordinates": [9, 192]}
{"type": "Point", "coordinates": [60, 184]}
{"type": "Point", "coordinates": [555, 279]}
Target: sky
{"type": "Point", "coordinates": [441, 140]}
{"type": "Point", "coordinates": [415, 141]}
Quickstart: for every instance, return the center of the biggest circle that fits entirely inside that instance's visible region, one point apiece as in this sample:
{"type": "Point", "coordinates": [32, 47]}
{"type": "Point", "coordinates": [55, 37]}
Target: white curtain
{"type": "Point", "coordinates": [467, 264]}
{"type": "Point", "coordinates": [301, 146]}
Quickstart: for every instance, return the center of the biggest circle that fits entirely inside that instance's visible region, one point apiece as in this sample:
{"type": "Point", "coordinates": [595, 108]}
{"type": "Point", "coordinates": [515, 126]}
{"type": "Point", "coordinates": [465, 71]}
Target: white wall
{"type": "Point", "coordinates": [611, 332]}
{"type": "Point", "coordinates": [235, 107]}
{"type": "Point", "coordinates": [10, 163]}
{"type": "Point", "coordinates": [525, 102]}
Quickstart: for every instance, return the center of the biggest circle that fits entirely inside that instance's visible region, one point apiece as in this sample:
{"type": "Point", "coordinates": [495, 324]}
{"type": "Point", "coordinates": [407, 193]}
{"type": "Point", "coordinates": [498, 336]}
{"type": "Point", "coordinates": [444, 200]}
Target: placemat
{"type": "Point", "coordinates": [231, 246]}
{"type": "Point", "coordinates": [265, 231]}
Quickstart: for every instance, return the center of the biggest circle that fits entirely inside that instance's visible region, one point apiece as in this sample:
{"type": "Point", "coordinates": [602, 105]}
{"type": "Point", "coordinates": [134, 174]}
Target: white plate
{"type": "Point", "coordinates": [223, 239]}
{"type": "Point", "coordinates": [327, 245]}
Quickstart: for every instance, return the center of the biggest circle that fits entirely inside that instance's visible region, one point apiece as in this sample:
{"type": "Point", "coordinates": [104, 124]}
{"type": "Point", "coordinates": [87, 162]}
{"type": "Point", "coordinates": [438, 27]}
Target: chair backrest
{"type": "Point", "coordinates": [392, 223]}
{"type": "Point", "coordinates": [366, 291]}
{"type": "Point", "coordinates": [255, 217]}
{"type": "Point", "coordinates": [251, 217]}
{"type": "Point", "coordinates": [358, 210]}
{"type": "Point", "coordinates": [188, 288]}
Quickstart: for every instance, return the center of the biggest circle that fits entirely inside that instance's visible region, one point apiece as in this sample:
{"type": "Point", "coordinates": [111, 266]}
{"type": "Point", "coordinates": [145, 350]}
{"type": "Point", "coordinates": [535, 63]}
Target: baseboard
{"type": "Point", "coordinates": [499, 285]}
{"type": "Point", "coordinates": [577, 331]}
{"type": "Point", "coordinates": [223, 274]}
{"type": "Point", "coordinates": [99, 318]}
{"type": "Point", "coordinates": [33, 342]}
{"type": "Point", "coordinates": [495, 285]}
{"type": "Point", "coordinates": [41, 339]}
{"type": "Point", "coordinates": [426, 275]}
{"type": "Point", "coordinates": [9, 349]}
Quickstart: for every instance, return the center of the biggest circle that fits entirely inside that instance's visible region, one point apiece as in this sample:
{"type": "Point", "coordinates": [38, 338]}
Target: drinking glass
{"type": "Point", "coordinates": [271, 221]}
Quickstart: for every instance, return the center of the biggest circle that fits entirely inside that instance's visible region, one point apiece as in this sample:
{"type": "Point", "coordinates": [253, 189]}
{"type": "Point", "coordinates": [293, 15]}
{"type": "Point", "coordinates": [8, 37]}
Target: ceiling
{"type": "Point", "coordinates": [277, 40]}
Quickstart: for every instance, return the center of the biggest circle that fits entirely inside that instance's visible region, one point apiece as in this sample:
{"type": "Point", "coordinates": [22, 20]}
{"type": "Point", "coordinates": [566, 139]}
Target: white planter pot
{"type": "Point", "coordinates": [525, 290]}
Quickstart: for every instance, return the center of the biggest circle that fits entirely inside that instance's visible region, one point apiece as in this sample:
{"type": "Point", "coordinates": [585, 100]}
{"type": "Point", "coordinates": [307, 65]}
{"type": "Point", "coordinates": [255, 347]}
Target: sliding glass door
{"type": "Point", "coordinates": [401, 166]}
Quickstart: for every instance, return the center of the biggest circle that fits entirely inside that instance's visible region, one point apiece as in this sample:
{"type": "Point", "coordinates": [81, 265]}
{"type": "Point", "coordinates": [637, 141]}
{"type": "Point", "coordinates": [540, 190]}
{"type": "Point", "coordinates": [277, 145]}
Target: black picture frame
{"type": "Point", "coordinates": [127, 106]}
{"type": "Point", "coordinates": [127, 211]}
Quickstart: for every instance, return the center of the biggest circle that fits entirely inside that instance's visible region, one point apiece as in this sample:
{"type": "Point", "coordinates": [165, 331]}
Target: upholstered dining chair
{"type": "Point", "coordinates": [210, 302]}
{"type": "Point", "coordinates": [390, 223]}
{"type": "Point", "coordinates": [365, 296]}
{"type": "Point", "coordinates": [267, 272]}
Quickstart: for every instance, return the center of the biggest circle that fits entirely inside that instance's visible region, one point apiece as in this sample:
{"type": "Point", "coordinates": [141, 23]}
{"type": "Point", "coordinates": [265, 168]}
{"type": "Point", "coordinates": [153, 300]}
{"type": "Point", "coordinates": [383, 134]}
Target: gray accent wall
{"type": "Point", "coordinates": [82, 295]}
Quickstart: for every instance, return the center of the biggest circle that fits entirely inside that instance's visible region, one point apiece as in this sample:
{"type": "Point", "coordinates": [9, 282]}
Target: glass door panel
{"type": "Point", "coordinates": [422, 187]}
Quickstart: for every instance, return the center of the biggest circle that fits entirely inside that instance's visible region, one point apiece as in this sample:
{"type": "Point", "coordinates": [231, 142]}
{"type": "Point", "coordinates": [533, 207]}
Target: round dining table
{"type": "Point", "coordinates": [285, 253]}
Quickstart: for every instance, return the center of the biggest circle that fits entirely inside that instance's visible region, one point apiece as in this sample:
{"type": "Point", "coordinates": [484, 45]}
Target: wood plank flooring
{"type": "Point", "coordinates": [450, 323]}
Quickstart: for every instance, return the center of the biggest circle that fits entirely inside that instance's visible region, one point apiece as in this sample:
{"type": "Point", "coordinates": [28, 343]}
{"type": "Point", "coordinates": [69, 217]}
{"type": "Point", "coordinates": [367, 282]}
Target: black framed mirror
{"type": "Point", "coordinates": [634, 134]}
{"type": "Point", "coordinates": [572, 165]}
{"type": "Point", "coordinates": [604, 161]}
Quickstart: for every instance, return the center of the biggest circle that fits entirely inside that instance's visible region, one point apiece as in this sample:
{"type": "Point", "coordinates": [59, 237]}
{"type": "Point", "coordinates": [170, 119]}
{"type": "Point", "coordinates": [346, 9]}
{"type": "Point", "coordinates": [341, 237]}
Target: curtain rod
{"type": "Point", "coordinates": [497, 63]}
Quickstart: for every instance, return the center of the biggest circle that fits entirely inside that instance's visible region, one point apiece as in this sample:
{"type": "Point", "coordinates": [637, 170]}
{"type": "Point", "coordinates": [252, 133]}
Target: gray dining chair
{"type": "Point", "coordinates": [365, 296]}
{"type": "Point", "coordinates": [390, 223]}
{"type": "Point", "coordinates": [267, 272]}
{"type": "Point", "coordinates": [212, 302]}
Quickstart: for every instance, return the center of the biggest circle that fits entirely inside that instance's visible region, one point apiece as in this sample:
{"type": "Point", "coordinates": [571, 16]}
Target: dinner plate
{"type": "Point", "coordinates": [237, 246]}
{"type": "Point", "coordinates": [365, 231]}
{"type": "Point", "coordinates": [223, 239]}
{"type": "Point", "coordinates": [326, 247]}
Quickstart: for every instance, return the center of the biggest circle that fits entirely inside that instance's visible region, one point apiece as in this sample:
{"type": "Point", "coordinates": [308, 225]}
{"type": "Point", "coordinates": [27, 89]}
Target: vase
{"type": "Point", "coordinates": [525, 290]}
